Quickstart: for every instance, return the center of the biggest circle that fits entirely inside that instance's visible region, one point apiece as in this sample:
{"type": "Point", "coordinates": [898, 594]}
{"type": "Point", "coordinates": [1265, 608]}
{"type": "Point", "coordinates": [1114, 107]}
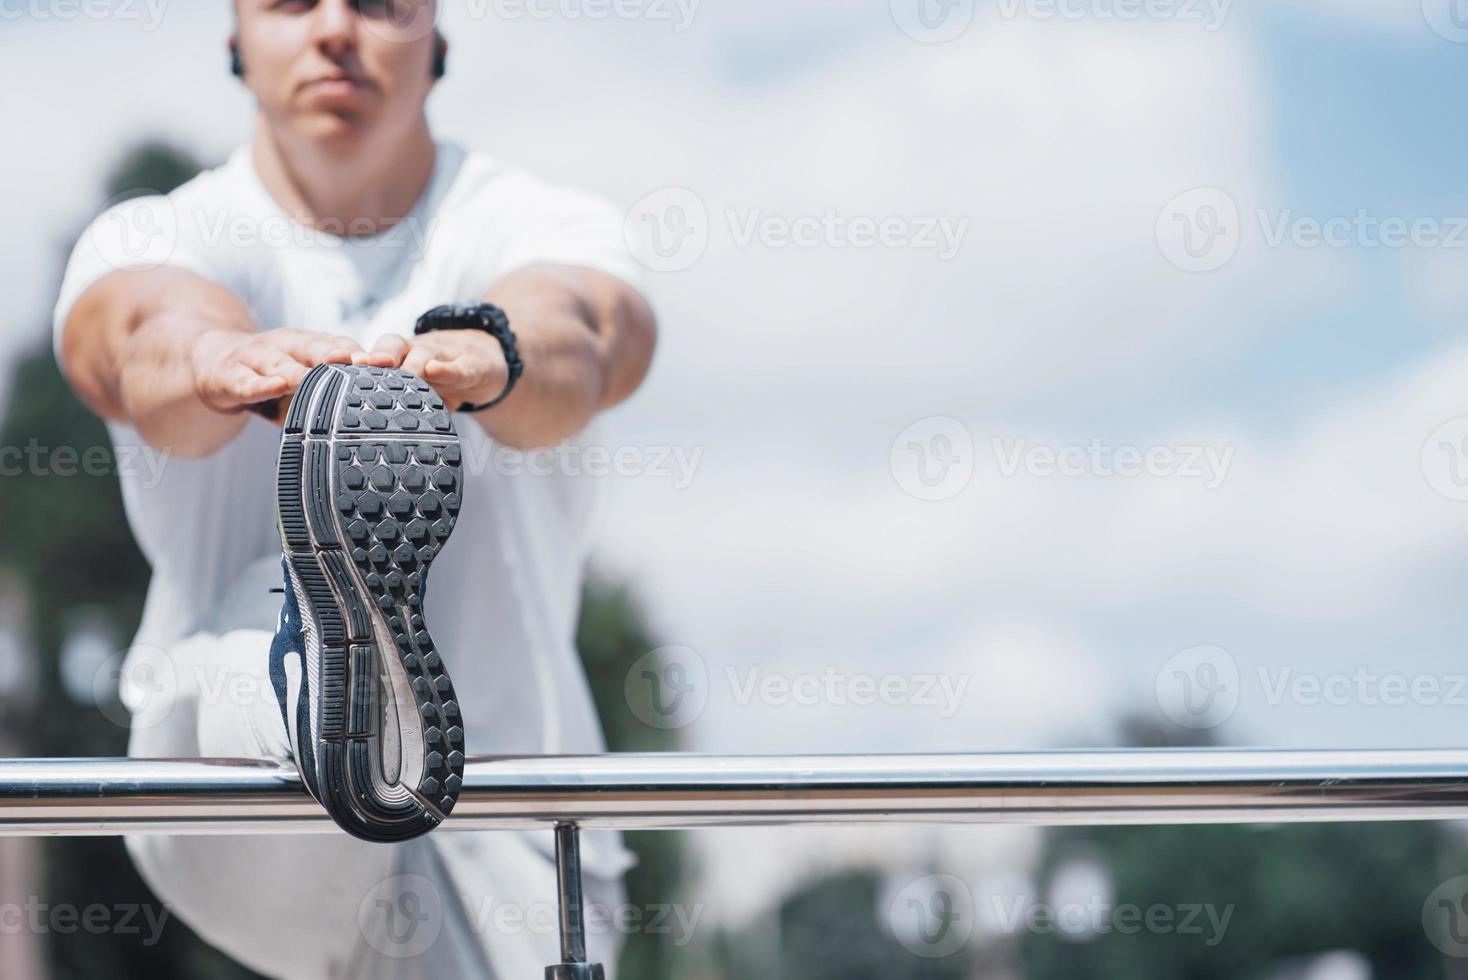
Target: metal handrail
{"type": "Point", "coordinates": [134, 796]}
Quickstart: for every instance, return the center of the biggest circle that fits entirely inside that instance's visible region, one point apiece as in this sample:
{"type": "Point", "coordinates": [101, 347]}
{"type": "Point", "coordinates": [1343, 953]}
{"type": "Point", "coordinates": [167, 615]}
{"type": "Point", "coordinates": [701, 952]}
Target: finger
{"type": "Point", "coordinates": [236, 385]}
{"type": "Point", "coordinates": [389, 351]}
{"type": "Point", "coordinates": [416, 361]}
{"type": "Point", "coordinates": [275, 362]}
{"type": "Point", "coordinates": [263, 388]}
{"type": "Point", "coordinates": [452, 373]}
{"type": "Point", "coordinates": [330, 349]}
{"type": "Point", "coordinates": [338, 350]}
{"type": "Point", "coordinates": [312, 349]}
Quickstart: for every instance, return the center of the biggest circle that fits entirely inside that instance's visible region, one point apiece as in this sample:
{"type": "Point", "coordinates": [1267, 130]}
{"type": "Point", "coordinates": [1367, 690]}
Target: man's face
{"type": "Point", "coordinates": [333, 68]}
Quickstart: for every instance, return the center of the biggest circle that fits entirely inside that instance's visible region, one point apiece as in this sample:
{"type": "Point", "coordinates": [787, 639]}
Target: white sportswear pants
{"type": "Point", "coordinates": [465, 905]}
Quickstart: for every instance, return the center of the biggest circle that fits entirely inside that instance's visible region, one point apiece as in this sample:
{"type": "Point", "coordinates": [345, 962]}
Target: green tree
{"type": "Point", "coordinates": [1290, 892]}
{"type": "Point", "coordinates": [1293, 891]}
{"type": "Point", "coordinates": [611, 637]}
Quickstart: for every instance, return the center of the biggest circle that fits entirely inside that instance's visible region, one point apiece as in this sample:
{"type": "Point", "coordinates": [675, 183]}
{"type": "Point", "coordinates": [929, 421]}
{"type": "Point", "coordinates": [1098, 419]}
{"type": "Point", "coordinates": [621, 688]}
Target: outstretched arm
{"type": "Point", "coordinates": [586, 338]}
{"type": "Point", "coordinates": [179, 358]}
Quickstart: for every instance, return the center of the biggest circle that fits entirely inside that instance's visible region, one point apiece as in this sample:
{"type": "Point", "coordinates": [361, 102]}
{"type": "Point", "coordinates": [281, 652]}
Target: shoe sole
{"type": "Point", "coordinates": [369, 481]}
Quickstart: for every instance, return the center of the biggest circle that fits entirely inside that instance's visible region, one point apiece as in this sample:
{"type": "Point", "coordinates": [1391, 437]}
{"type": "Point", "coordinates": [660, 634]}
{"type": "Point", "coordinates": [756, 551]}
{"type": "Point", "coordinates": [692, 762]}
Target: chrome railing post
{"type": "Point", "coordinates": [573, 965]}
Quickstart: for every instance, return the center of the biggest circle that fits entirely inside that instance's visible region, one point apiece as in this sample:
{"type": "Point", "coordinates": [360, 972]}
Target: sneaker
{"type": "Point", "coordinates": [368, 482]}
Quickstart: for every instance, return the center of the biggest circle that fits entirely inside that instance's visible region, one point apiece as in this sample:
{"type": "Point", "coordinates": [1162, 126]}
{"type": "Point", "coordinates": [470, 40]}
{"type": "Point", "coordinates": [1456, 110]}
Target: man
{"type": "Point", "coordinates": [190, 322]}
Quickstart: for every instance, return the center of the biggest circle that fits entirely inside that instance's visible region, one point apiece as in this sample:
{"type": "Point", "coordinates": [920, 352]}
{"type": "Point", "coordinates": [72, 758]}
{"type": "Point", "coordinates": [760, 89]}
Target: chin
{"type": "Point", "coordinates": [335, 128]}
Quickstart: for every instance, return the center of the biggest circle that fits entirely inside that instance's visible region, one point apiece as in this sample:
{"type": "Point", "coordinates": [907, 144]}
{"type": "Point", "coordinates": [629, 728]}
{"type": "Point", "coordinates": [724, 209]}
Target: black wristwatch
{"type": "Point", "coordinates": [480, 316]}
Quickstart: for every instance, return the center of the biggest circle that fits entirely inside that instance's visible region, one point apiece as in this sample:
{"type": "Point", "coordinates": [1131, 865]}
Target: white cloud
{"type": "Point", "coordinates": [742, 873]}
{"type": "Point", "coordinates": [1436, 284]}
{"type": "Point", "coordinates": [1404, 16]}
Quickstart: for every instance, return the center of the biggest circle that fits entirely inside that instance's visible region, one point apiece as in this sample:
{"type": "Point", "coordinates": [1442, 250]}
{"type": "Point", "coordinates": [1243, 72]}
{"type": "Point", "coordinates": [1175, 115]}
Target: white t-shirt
{"type": "Point", "coordinates": [503, 597]}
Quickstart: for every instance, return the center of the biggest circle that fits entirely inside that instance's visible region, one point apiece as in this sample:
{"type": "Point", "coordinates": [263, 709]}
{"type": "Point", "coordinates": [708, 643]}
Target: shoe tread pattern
{"type": "Point", "coordinates": [374, 484]}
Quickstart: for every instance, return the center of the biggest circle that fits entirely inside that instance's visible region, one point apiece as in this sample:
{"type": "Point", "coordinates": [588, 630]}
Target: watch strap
{"type": "Point", "coordinates": [491, 320]}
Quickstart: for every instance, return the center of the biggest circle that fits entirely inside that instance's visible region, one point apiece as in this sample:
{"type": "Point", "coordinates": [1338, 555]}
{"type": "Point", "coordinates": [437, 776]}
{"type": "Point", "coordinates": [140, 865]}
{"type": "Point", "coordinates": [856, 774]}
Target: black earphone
{"type": "Point", "coordinates": [440, 58]}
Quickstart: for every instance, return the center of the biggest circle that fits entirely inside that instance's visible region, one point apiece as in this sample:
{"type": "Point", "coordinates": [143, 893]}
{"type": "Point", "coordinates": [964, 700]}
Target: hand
{"type": "Point", "coordinates": [462, 365]}
{"type": "Point", "coordinates": [234, 370]}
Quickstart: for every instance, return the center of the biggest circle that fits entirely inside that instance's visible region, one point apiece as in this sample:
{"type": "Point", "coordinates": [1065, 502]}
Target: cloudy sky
{"type": "Point", "coordinates": [1032, 364]}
